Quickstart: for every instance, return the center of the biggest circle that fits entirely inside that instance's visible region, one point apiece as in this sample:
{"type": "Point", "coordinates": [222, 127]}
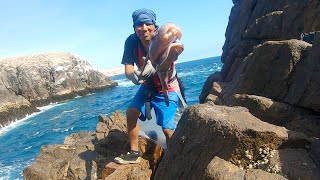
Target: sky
{"type": "Point", "coordinates": [96, 30]}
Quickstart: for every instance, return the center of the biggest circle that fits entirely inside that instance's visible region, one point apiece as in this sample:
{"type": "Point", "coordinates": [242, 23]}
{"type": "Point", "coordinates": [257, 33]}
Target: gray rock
{"type": "Point", "coordinates": [231, 133]}
{"type": "Point", "coordinates": [280, 70]}
{"type": "Point", "coordinates": [208, 85]}
{"type": "Point", "coordinates": [221, 169]}
{"type": "Point", "coordinates": [36, 80]}
{"type": "Point", "coordinates": [262, 21]}
{"type": "Point", "coordinates": [85, 156]}
{"type": "Point", "coordinates": [295, 164]}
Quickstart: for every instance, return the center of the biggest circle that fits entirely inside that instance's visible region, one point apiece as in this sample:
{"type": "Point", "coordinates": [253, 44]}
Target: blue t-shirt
{"type": "Point", "coordinates": [131, 54]}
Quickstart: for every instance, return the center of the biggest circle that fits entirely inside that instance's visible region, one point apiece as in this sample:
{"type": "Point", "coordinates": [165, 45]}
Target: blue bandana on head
{"type": "Point", "coordinates": [143, 16]}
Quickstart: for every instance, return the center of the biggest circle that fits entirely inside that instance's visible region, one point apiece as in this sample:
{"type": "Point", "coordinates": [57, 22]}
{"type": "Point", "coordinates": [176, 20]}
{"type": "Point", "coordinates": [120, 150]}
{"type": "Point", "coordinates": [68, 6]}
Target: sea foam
{"type": "Point", "coordinates": [18, 122]}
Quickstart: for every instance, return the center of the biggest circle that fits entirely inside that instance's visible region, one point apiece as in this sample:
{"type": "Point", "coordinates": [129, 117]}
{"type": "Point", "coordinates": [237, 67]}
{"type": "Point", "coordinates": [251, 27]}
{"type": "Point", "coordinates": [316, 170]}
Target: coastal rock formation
{"type": "Point", "coordinates": [260, 117]}
{"type": "Point", "coordinates": [272, 73]}
{"type": "Point", "coordinates": [89, 155]}
{"type": "Point", "coordinates": [233, 134]}
{"type": "Point", "coordinates": [270, 70]}
{"type": "Point", "coordinates": [252, 22]}
{"type": "Point", "coordinates": [30, 81]}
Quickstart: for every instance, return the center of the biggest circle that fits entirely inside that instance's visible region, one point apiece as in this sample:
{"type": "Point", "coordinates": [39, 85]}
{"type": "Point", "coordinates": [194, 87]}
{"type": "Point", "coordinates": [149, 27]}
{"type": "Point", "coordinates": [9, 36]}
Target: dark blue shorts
{"type": "Point", "coordinates": [164, 114]}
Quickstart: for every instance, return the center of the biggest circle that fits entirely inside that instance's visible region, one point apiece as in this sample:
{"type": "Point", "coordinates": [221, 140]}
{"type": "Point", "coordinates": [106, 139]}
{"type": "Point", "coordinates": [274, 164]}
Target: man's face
{"type": "Point", "coordinates": [145, 32]}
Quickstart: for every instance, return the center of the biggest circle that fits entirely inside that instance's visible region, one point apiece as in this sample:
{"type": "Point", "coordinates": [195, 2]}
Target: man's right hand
{"type": "Point", "coordinates": [139, 77]}
{"type": "Point", "coordinates": [136, 80]}
{"type": "Point", "coordinates": [147, 71]}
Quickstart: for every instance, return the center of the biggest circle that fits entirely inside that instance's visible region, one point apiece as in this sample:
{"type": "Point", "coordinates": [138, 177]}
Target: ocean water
{"type": "Point", "coordinates": [20, 142]}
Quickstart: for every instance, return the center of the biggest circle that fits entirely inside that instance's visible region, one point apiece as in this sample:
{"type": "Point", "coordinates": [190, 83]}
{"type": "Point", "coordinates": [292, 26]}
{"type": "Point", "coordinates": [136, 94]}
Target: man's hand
{"type": "Point", "coordinates": [140, 76]}
{"type": "Point", "coordinates": [135, 79]}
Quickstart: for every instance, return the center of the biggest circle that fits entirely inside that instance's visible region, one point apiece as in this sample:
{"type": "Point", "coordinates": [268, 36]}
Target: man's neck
{"type": "Point", "coordinates": [145, 44]}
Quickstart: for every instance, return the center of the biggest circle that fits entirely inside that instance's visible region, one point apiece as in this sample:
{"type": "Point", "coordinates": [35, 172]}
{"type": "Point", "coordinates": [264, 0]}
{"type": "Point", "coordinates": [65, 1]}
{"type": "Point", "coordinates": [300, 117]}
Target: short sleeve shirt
{"type": "Point", "coordinates": [131, 56]}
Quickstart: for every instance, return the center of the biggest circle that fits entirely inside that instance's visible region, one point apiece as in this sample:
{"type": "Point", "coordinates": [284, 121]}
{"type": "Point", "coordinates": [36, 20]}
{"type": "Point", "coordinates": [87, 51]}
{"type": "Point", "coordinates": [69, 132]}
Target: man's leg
{"type": "Point", "coordinates": [133, 128]}
{"type": "Point", "coordinates": [165, 114]}
{"type": "Point", "coordinates": [133, 113]}
{"type": "Point", "coordinates": [133, 156]}
{"type": "Point", "coordinates": [168, 133]}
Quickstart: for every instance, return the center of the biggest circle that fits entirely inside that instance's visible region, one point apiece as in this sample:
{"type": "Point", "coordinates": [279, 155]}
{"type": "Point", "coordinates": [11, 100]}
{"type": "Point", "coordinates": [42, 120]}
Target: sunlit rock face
{"type": "Point", "coordinates": [235, 135]}
{"type": "Point", "coordinates": [272, 70]}
{"type": "Point", "coordinates": [267, 67]}
{"type": "Point", "coordinates": [90, 155]}
{"type": "Point", "coordinates": [35, 80]}
{"type": "Point", "coordinates": [253, 22]}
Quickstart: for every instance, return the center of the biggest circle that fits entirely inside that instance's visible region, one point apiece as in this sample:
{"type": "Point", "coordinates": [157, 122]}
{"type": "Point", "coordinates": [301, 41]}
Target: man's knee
{"type": "Point", "coordinates": [168, 132]}
{"type": "Point", "coordinates": [132, 114]}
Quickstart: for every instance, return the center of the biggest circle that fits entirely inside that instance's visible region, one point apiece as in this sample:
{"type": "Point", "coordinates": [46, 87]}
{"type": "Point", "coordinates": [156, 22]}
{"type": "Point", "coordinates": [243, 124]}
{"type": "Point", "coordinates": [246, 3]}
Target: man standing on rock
{"type": "Point", "coordinates": [135, 49]}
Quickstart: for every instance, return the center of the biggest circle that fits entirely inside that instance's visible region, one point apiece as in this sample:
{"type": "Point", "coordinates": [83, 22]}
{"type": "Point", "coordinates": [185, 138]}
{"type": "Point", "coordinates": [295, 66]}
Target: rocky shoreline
{"type": "Point", "coordinates": [28, 82]}
{"type": "Point", "coordinates": [259, 117]}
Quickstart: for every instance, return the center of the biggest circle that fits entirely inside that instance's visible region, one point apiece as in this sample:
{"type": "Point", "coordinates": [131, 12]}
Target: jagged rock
{"type": "Point", "coordinates": [206, 131]}
{"type": "Point", "coordinates": [84, 156]}
{"type": "Point", "coordinates": [139, 171]}
{"type": "Point", "coordinates": [263, 108]}
{"type": "Point", "coordinates": [62, 161]}
{"type": "Point", "coordinates": [281, 114]}
{"type": "Point", "coordinates": [273, 74]}
{"type": "Point", "coordinates": [115, 143]}
{"type": "Point", "coordinates": [307, 124]}
{"type": "Point", "coordinates": [212, 99]}
{"type": "Point", "coordinates": [74, 159]}
{"type": "Point", "coordinates": [221, 169]}
{"type": "Point", "coordinates": [208, 85]}
{"type": "Point", "coordinates": [311, 95]}
{"type": "Point", "coordinates": [278, 83]}
{"type": "Point", "coordinates": [286, 71]}
{"type": "Point", "coordinates": [311, 16]}
{"type": "Point", "coordinates": [295, 164]}
{"type": "Point", "coordinates": [264, 20]}
{"type": "Point", "coordinates": [266, 27]}
{"type": "Point", "coordinates": [111, 134]}
{"type": "Point", "coordinates": [30, 81]}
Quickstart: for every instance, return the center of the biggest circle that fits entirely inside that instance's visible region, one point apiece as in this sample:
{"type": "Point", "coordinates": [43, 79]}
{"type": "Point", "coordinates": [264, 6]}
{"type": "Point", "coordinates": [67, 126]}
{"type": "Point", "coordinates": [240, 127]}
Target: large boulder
{"type": "Point", "coordinates": [271, 70]}
{"type": "Point", "coordinates": [30, 81]}
{"type": "Point", "coordinates": [278, 82]}
{"type": "Point", "coordinates": [279, 113]}
{"type": "Point", "coordinates": [232, 134]}
{"type": "Point", "coordinates": [280, 70]}
{"type": "Point", "coordinates": [252, 22]}
{"type": "Point", "coordinates": [75, 160]}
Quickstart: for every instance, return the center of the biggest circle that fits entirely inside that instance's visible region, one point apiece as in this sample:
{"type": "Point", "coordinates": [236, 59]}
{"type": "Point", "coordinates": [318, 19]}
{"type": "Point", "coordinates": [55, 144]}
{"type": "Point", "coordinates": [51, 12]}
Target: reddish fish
{"type": "Point", "coordinates": [164, 49]}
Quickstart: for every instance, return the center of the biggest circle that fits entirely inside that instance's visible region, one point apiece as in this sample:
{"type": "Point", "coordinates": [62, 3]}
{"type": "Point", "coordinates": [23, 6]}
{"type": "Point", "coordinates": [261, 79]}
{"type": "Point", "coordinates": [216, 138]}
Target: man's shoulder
{"type": "Point", "coordinates": [132, 38]}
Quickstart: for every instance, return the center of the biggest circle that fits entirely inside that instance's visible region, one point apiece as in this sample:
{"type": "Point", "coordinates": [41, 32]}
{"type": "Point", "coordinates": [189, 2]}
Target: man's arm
{"type": "Point", "coordinates": [129, 72]}
{"type": "Point", "coordinates": [129, 69]}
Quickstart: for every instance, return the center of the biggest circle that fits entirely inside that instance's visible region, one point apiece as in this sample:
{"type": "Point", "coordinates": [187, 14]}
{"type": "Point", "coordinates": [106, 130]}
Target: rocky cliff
{"type": "Point", "coordinates": [253, 22]}
{"type": "Point", "coordinates": [271, 72]}
{"type": "Point", "coordinates": [31, 81]}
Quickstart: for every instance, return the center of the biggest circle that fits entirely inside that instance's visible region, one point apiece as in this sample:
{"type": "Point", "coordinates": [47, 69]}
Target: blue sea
{"type": "Point", "coordinates": [20, 142]}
